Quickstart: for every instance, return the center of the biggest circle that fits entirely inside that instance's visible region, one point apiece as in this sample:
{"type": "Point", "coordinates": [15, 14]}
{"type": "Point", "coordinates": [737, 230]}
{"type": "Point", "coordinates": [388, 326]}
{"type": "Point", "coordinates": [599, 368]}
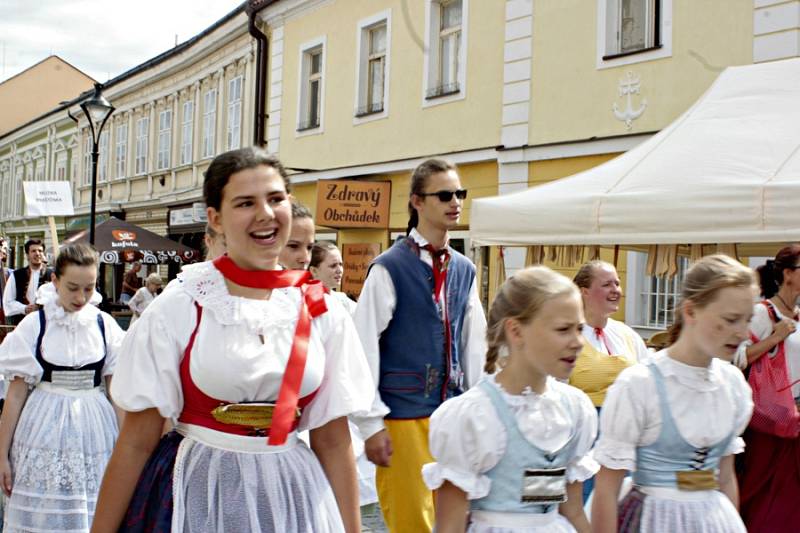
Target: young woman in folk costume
{"type": "Point", "coordinates": [514, 449]}
{"type": "Point", "coordinates": [61, 434]}
{"type": "Point", "coordinates": [327, 266]}
{"type": "Point", "coordinates": [610, 346]}
{"type": "Point", "coordinates": [770, 480]}
{"type": "Point", "coordinates": [675, 421]}
{"type": "Point", "coordinates": [244, 355]}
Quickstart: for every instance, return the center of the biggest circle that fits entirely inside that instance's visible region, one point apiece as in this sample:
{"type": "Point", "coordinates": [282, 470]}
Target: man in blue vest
{"type": "Point", "coordinates": [19, 296]}
{"type": "Point", "coordinates": [423, 329]}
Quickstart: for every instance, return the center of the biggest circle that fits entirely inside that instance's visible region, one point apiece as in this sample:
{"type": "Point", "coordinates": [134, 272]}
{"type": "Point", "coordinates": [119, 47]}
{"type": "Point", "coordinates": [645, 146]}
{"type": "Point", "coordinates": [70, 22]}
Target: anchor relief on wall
{"type": "Point", "coordinates": [628, 86]}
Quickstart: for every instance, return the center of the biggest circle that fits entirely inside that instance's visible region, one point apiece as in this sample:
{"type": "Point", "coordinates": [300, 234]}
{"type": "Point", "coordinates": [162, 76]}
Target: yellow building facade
{"type": "Point", "coordinates": [536, 91]}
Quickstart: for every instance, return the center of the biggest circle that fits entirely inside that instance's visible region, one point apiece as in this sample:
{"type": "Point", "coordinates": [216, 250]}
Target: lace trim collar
{"type": "Point", "coordinates": [528, 395]}
{"type": "Point", "coordinates": [56, 314]}
{"type": "Point", "coordinates": [698, 378]}
{"type": "Point", "coordinates": [206, 285]}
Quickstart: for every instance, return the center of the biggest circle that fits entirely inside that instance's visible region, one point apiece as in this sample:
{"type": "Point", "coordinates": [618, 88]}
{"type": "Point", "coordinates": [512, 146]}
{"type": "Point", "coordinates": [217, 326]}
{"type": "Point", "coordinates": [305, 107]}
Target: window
{"type": "Point", "coordinates": [61, 166]}
{"type": "Point", "coordinates": [634, 25]}
{"type": "Point", "coordinates": [372, 68]}
{"type": "Point", "coordinates": [87, 159]}
{"type": "Point", "coordinates": [122, 150]}
{"type": "Point", "coordinates": [631, 31]}
{"type": "Point", "coordinates": [187, 132]}
{"type": "Point", "coordinates": [39, 174]}
{"type": "Point", "coordinates": [445, 50]}
{"type": "Point", "coordinates": [312, 74]}
{"type": "Point", "coordinates": [5, 191]}
{"type": "Point", "coordinates": [661, 295]}
{"type": "Point", "coordinates": [142, 141]}
{"type": "Point", "coordinates": [18, 192]}
{"type": "Point", "coordinates": [102, 160]}
{"type": "Point", "coordinates": [209, 122]}
{"type": "Point", "coordinates": [164, 139]}
{"type": "Point", "coordinates": [234, 113]}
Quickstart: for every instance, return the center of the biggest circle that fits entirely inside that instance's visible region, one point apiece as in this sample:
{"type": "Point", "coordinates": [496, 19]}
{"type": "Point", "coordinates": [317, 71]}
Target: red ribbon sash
{"type": "Point", "coordinates": [313, 305]}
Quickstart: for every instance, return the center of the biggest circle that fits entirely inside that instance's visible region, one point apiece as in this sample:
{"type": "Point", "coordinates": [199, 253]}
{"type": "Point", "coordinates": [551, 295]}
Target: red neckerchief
{"type": "Point", "coordinates": [602, 336]}
{"type": "Point", "coordinates": [313, 306]}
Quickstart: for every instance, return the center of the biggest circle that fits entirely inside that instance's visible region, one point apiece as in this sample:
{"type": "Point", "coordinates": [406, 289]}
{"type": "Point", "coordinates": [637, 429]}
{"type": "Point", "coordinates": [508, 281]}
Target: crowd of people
{"type": "Point", "coordinates": [252, 395]}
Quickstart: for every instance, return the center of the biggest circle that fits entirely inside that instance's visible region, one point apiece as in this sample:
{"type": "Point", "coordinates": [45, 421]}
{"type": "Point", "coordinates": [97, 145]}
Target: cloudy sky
{"type": "Point", "coordinates": [101, 38]}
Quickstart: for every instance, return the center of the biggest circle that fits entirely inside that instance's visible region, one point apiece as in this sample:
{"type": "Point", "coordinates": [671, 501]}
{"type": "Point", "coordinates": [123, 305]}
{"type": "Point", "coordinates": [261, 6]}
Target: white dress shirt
{"type": "Point", "coordinates": [10, 304]}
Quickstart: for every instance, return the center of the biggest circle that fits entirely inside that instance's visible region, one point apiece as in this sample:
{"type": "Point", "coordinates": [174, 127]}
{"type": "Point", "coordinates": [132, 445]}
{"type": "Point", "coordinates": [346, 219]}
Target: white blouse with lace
{"type": "Point", "coordinates": [240, 351]}
{"type": "Point", "coordinates": [706, 404]}
{"type": "Point", "coordinates": [71, 339]}
{"type": "Point", "coordinates": [467, 438]}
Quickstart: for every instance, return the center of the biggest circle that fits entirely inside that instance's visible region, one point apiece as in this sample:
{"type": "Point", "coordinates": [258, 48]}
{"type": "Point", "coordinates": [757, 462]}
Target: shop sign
{"type": "Point", "coordinates": [186, 216]}
{"type": "Point", "coordinates": [356, 259]}
{"type": "Point", "coordinates": [48, 198]}
{"type": "Point", "coordinates": [353, 204]}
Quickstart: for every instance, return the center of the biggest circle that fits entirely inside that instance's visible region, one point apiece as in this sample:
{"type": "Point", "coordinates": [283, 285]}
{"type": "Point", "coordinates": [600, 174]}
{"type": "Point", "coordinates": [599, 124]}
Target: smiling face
{"type": "Point", "coordinates": [330, 270]}
{"type": "Point", "coordinates": [433, 213]}
{"type": "Point", "coordinates": [719, 327]}
{"type": "Point", "coordinates": [549, 344]}
{"type": "Point", "coordinates": [35, 256]}
{"type": "Point", "coordinates": [254, 216]}
{"type": "Point", "coordinates": [603, 295]}
{"type": "Point", "coordinates": [75, 286]}
{"type": "Point", "coordinates": [297, 252]}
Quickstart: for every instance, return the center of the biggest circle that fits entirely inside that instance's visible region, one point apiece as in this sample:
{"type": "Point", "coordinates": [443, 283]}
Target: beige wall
{"type": "Point", "coordinates": [409, 130]}
{"type": "Point", "coordinates": [572, 99]}
{"type": "Point", "coordinates": [38, 90]}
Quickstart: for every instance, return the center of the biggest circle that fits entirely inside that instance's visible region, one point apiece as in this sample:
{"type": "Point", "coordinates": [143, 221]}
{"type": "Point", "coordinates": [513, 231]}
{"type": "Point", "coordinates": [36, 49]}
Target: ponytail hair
{"type": "Point", "coordinates": [770, 275]}
{"type": "Point", "coordinates": [419, 179]}
{"type": "Point", "coordinates": [521, 297]}
{"type": "Point", "coordinates": [703, 282]}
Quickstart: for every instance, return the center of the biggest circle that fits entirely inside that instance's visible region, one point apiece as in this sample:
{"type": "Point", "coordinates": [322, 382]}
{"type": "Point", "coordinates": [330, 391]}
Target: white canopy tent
{"type": "Point", "coordinates": [727, 171]}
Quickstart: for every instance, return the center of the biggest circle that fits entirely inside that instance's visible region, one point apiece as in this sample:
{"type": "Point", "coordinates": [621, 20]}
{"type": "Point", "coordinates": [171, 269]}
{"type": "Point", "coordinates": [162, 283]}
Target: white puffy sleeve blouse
{"type": "Point", "coordinates": [240, 351]}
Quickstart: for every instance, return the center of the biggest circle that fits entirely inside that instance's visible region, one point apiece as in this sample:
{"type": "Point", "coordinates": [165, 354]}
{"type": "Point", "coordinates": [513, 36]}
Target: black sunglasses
{"type": "Point", "coordinates": [446, 196]}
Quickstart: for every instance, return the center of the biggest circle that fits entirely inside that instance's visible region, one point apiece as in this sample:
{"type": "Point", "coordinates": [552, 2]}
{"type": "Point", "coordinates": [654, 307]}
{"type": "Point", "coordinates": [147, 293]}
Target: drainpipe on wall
{"type": "Point", "coordinates": [262, 53]}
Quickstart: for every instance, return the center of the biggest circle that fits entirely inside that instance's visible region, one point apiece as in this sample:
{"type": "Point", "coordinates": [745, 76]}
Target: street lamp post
{"type": "Point", "coordinates": [97, 110]}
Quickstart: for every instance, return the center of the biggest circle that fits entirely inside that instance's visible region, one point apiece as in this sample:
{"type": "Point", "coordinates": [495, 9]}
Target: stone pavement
{"type": "Point", "coordinates": [372, 520]}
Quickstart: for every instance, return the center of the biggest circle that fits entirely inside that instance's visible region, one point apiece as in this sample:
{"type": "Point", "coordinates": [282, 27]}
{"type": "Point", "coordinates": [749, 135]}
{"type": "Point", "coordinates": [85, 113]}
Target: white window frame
{"type": "Point", "coordinates": [644, 292]}
{"type": "Point", "coordinates": [5, 190]}
{"type": "Point", "coordinates": [142, 145]}
{"type": "Point", "coordinates": [17, 198]}
{"type": "Point", "coordinates": [164, 139]}
{"type": "Point", "coordinates": [607, 29]}
{"type": "Point", "coordinates": [87, 159]}
{"type": "Point", "coordinates": [61, 166]}
{"type": "Point", "coordinates": [102, 159]}
{"type": "Point", "coordinates": [365, 26]}
{"type": "Point", "coordinates": [38, 169]}
{"type": "Point", "coordinates": [209, 123]}
{"type": "Point", "coordinates": [121, 150]}
{"type": "Point", "coordinates": [303, 81]}
{"type": "Point", "coordinates": [431, 55]}
{"type": "Point", "coordinates": [187, 132]}
{"type": "Point", "coordinates": [233, 136]}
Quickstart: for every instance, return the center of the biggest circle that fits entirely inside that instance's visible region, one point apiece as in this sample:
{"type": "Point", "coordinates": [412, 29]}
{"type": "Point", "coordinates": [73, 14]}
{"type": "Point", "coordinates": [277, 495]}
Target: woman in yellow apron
{"type": "Point", "coordinates": [609, 345]}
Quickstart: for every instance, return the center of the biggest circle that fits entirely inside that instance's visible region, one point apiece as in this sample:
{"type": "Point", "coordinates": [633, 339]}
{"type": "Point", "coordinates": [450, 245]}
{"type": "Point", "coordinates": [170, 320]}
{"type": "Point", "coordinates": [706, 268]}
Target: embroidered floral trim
{"type": "Point", "coordinates": [205, 284]}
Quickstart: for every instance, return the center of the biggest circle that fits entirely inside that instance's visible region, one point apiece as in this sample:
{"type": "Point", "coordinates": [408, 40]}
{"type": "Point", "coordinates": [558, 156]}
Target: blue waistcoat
{"type": "Point", "coordinates": [415, 374]}
{"type": "Point", "coordinates": [658, 463]}
{"type": "Point", "coordinates": [521, 457]}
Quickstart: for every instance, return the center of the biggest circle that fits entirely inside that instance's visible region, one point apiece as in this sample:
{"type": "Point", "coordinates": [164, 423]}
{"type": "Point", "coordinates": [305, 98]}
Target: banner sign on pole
{"type": "Point", "coordinates": [48, 198]}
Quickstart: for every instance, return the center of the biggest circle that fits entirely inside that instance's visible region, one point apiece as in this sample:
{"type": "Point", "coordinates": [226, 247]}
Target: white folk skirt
{"type": "Point", "coordinates": [60, 450]}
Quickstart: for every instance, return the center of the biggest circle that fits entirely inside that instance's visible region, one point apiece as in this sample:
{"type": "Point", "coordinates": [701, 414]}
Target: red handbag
{"type": "Point", "coordinates": [774, 408]}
